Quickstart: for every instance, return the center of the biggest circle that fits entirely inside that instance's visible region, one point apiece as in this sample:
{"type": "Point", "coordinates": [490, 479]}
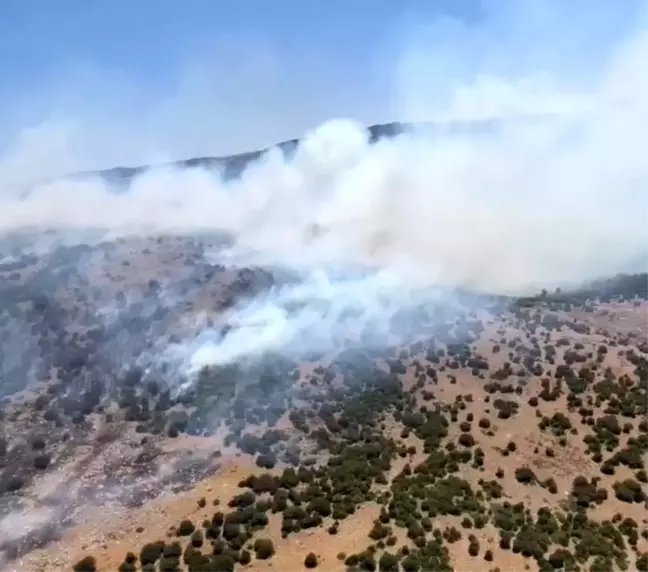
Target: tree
{"type": "Point", "coordinates": [321, 506]}
{"type": "Point", "coordinates": [388, 562]}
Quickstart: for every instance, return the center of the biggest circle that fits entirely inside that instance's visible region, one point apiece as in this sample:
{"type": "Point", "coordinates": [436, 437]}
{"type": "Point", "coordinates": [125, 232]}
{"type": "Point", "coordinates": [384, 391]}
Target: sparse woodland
{"type": "Point", "coordinates": [509, 435]}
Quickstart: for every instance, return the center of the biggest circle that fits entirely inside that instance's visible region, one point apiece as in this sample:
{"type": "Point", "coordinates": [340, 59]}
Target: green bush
{"type": "Point", "coordinates": [388, 562]}
{"type": "Point", "coordinates": [525, 475]}
{"type": "Point", "coordinates": [264, 548]}
{"type": "Point", "coordinates": [185, 528]}
{"type": "Point", "coordinates": [151, 552]}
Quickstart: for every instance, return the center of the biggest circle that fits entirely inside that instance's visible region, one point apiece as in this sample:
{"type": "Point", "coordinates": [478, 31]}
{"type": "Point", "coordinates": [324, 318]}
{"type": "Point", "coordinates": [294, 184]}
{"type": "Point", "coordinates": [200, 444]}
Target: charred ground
{"type": "Point", "coordinates": [513, 436]}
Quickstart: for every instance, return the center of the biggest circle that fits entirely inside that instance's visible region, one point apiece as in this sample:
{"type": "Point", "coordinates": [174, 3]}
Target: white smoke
{"type": "Point", "coordinates": [522, 209]}
{"type": "Point", "coordinates": [316, 315]}
{"type": "Point", "coordinates": [510, 210]}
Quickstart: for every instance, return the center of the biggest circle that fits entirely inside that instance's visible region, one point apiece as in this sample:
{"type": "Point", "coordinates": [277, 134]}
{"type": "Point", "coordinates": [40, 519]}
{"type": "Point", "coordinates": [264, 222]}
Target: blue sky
{"type": "Point", "coordinates": [149, 38]}
{"type": "Point", "coordinates": [233, 73]}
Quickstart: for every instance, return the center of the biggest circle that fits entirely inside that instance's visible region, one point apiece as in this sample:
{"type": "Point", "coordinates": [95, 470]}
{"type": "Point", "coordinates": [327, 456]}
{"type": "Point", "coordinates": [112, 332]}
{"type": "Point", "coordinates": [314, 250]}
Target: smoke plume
{"type": "Point", "coordinates": [349, 242]}
{"type": "Point", "coordinates": [549, 202]}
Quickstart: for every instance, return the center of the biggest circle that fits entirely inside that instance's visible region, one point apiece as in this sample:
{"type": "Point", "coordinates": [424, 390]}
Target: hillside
{"type": "Point", "coordinates": [498, 433]}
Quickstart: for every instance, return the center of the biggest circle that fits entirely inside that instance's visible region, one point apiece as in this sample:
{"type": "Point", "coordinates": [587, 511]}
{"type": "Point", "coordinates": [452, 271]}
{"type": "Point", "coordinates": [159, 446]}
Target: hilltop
{"type": "Point", "coordinates": [231, 166]}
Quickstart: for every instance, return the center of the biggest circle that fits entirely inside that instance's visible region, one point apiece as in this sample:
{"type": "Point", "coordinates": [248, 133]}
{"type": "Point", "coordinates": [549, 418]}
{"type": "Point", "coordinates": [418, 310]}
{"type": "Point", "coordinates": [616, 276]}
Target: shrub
{"type": "Point", "coordinates": [185, 528]}
{"type": "Point", "coordinates": [388, 563]}
{"type": "Point", "coordinates": [410, 563]}
{"type": "Point", "coordinates": [42, 461]}
{"type": "Point", "coordinates": [559, 557]}
{"type": "Point", "coordinates": [466, 439]}
{"type": "Point", "coordinates": [379, 531]}
{"type": "Point", "coordinates": [551, 485]}
{"type": "Point", "coordinates": [642, 562]}
{"type": "Point", "coordinates": [321, 506]}
{"type": "Point", "coordinates": [222, 563]}
{"type": "Point", "coordinates": [15, 483]}
{"type": "Point", "coordinates": [130, 558]}
{"type": "Point", "coordinates": [311, 560]}
{"type": "Point", "coordinates": [197, 539]}
{"type": "Point", "coordinates": [173, 550]}
{"type": "Point", "coordinates": [86, 564]}
{"type": "Point", "coordinates": [629, 491]}
{"type": "Point", "coordinates": [266, 461]}
{"type": "Point", "coordinates": [525, 475]}
{"type": "Point", "coordinates": [264, 548]}
{"type": "Point", "coordinates": [169, 564]}
{"type": "Point", "coordinates": [245, 557]}
{"type": "Point", "coordinates": [151, 552]}
{"type": "Point", "coordinates": [243, 500]}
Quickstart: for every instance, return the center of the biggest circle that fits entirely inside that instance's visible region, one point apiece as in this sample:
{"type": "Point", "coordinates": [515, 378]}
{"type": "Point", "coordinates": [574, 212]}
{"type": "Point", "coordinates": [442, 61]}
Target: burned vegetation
{"type": "Point", "coordinates": [502, 434]}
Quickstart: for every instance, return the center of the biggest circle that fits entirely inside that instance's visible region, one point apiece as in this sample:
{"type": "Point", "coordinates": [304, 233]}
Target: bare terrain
{"type": "Point", "coordinates": [493, 434]}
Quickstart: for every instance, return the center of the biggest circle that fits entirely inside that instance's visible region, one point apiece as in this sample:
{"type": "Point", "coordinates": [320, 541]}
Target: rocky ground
{"type": "Point", "coordinates": [509, 436]}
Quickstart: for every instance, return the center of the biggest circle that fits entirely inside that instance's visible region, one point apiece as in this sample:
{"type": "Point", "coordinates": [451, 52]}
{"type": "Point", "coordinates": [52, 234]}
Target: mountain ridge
{"type": "Point", "coordinates": [233, 165]}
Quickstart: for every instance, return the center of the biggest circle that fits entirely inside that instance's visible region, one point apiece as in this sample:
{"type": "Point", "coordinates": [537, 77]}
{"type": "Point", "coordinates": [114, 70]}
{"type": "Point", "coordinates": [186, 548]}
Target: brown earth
{"type": "Point", "coordinates": [108, 532]}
